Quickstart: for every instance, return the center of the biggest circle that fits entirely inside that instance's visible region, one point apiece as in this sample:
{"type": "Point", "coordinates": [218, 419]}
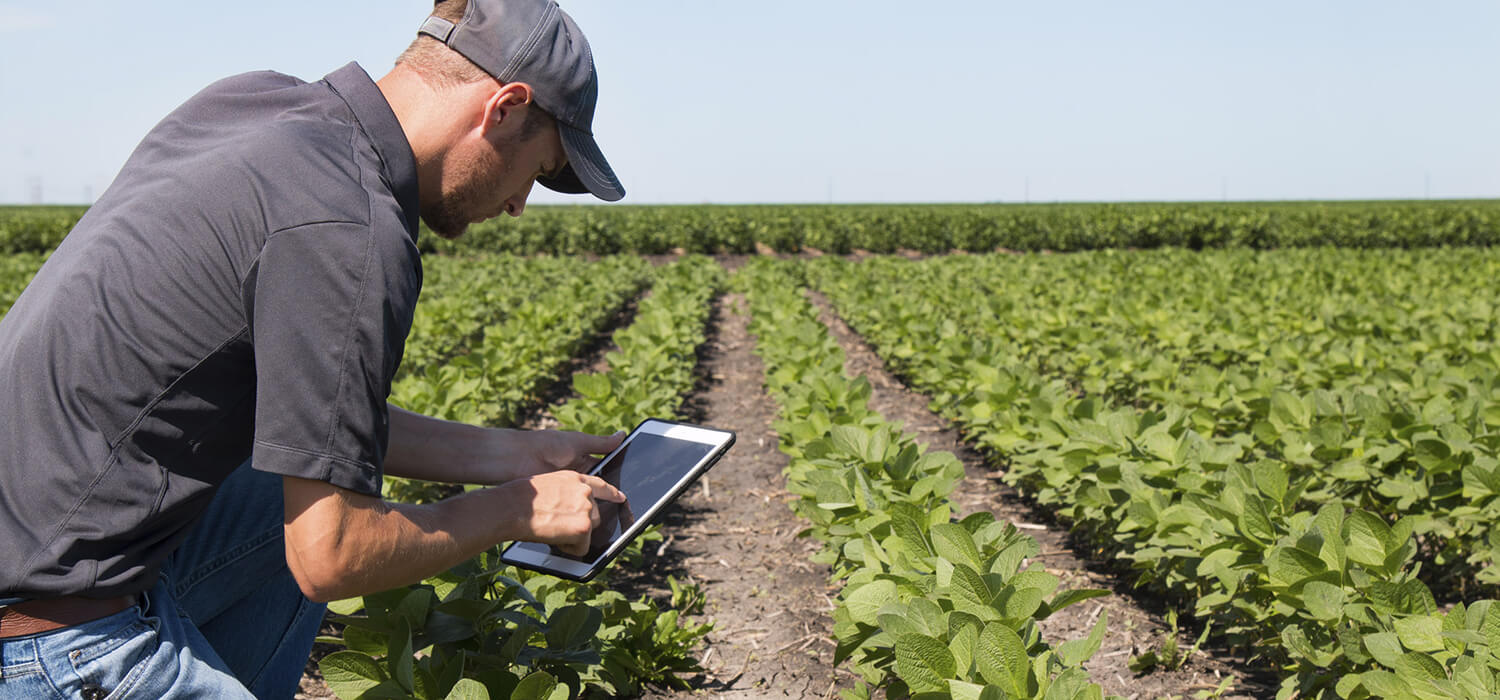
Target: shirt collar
{"type": "Point", "coordinates": [379, 123]}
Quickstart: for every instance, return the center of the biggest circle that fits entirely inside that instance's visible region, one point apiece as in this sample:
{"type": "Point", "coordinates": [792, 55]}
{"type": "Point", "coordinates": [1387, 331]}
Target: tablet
{"type": "Point", "coordinates": [653, 465]}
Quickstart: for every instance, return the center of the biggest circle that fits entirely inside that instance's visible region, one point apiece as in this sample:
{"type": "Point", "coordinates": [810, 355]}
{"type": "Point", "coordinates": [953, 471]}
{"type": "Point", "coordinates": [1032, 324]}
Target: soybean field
{"type": "Point", "coordinates": [988, 451]}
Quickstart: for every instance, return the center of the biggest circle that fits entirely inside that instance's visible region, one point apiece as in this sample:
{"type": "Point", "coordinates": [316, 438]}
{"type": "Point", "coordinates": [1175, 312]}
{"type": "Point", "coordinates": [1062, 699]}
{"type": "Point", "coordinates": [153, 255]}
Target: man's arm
{"type": "Point", "coordinates": [428, 448]}
{"type": "Point", "coordinates": [438, 450]}
{"type": "Point", "coordinates": [340, 543]}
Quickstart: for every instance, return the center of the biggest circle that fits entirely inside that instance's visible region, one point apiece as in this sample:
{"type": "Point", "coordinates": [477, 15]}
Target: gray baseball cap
{"type": "Point", "coordinates": [535, 42]}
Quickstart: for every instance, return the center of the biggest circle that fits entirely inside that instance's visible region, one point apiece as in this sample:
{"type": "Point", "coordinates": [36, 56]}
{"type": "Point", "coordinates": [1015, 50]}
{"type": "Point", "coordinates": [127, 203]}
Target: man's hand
{"type": "Point", "coordinates": [563, 512]}
{"type": "Point", "coordinates": [551, 450]}
{"type": "Point", "coordinates": [428, 448]}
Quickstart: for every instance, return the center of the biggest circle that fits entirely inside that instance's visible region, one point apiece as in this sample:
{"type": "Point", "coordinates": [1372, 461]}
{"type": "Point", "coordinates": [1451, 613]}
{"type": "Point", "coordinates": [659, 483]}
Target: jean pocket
{"type": "Point", "coordinates": [111, 662]}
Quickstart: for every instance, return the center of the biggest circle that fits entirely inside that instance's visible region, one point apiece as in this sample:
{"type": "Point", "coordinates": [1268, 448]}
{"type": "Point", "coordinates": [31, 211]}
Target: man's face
{"type": "Point", "coordinates": [486, 177]}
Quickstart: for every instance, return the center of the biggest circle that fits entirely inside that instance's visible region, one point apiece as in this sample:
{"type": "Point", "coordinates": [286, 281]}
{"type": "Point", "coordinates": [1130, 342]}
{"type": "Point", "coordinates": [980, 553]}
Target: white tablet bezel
{"type": "Point", "coordinates": [538, 556]}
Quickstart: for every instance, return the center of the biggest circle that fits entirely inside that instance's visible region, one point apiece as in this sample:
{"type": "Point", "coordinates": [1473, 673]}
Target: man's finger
{"type": "Point", "coordinates": [602, 490]}
{"type": "Point", "coordinates": [600, 444]}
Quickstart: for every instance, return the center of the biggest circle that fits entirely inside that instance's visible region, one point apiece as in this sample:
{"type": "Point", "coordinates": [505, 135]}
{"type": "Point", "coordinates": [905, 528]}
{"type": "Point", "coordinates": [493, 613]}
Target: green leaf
{"type": "Point", "coordinates": [1367, 539]}
{"type": "Point", "coordinates": [1296, 641]}
{"type": "Point", "coordinates": [1017, 603]}
{"type": "Point", "coordinates": [443, 628]}
{"type": "Point", "coordinates": [1383, 684]}
{"type": "Point", "coordinates": [850, 440]}
{"type": "Point", "coordinates": [1289, 565]}
{"type": "Point", "coordinates": [1492, 415]}
{"type": "Point", "coordinates": [1423, 633]}
{"type": "Point", "coordinates": [347, 606]}
{"type": "Point", "coordinates": [1076, 651]}
{"type": "Point", "coordinates": [1255, 521]}
{"type": "Point", "coordinates": [971, 587]}
{"type": "Point", "coordinates": [572, 626]}
{"type": "Point", "coordinates": [592, 386]}
{"type": "Point", "coordinates": [1271, 479]}
{"type": "Point", "coordinates": [536, 686]}
{"type": "Point", "coordinates": [468, 689]}
{"type": "Point", "coordinates": [874, 450]}
{"type": "Point", "coordinates": [833, 496]}
{"type": "Point", "coordinates": [955, 544]}
{"type": "Point", "coordinates": [1324, 601]}
{"type": "Point", "coordinates": [924, 663]}
{"type": "Point", "coordinates": [910, 532]}
{"type": "Point", "coordinates": [1001, 659]}
{"type": "Point", "coordinates": [414, 607]}
{"type": "Point", "coordinates": [350, 673]}
{"type": "Point", "coordinates": [962, 643]}
{"type": "Point", "coordinates": [958, 621]}
{"type": "Point", "coordinates": [1416, 665]}
{"type": "Point", "coordinates": [1073, 684]}
{"type": "Point", "coordinates": [1330, 523]}
{"type": "Point", "coordinates": [1384, 647]}
{"type": "Point", "coordinates": [1069, 597]}
{"type": "Point", "coordinates": [1289, 409]}
{"type": "Point", "coordinates": [865, 602]}
{"type": "Point", "coordinates": [928, 616]}
{"type": "Point", "coordinates": [1490, 626]}
{"type": "Point", "coordinates": [367, 641]}
{"type": "Point", "coordinates": [962, 690]}
{"type": "Point", "coordinates": [453, 670]}
{"type": "Point", "coordinates": [400, 658]}
{"type": "Point", "coordinates": [896, 621]}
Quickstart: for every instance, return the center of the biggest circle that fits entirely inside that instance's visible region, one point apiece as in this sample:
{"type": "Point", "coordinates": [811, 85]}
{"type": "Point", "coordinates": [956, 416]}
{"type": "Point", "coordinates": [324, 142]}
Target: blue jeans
{"type": "Point", "coordinates": [225, 620]}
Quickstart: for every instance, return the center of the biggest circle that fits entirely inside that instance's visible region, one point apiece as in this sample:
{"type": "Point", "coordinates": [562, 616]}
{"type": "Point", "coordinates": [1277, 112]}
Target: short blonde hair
{"type": "Point", "coordinates": [439, 65]}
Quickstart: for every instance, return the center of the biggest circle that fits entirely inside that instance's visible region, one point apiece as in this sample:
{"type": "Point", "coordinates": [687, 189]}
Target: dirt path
{"type": "Point", "coordinates": [734, 535]}
{"type": "Point", "coordinates": [1133, 629]}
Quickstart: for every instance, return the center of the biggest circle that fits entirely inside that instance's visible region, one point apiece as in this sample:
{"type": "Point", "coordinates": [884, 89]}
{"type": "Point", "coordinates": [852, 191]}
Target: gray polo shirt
{"type": "Point", "coordinates": [243, 290]}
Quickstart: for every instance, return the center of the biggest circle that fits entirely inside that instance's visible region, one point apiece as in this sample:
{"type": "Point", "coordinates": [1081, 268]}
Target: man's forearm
{"type": "Point", "coordinates": [422, 447]}
{"type": "Point", "coordinates": [341, 544]}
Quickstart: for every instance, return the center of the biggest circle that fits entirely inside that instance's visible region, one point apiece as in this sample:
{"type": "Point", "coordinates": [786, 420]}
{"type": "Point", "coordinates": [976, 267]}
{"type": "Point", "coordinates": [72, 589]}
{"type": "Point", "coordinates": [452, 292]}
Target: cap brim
{"type": "Point", "coordinates": [587, 170]}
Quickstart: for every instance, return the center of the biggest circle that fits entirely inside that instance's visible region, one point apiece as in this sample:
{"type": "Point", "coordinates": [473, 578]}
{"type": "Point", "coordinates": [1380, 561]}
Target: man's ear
{"type": "Point", "coordinates": [506, 106]}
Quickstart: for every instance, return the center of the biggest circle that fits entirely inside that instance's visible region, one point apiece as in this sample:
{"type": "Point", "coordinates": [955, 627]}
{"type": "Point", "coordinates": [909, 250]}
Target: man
{"type": "Point", "coordinates": [193, 389]}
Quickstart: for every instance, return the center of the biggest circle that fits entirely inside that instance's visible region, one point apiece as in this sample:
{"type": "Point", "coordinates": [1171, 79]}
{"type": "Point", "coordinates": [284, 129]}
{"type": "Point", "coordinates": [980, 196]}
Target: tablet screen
{"type": "Point", "coordinates": [645, 469]}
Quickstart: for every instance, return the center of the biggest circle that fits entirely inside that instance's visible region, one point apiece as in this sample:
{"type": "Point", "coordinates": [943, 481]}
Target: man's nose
{"type": "Point", "coordinates": [517, 204]}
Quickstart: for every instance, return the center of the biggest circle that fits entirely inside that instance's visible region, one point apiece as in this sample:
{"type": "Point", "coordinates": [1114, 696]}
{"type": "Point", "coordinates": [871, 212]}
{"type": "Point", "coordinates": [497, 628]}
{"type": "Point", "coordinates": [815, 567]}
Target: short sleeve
{"type": "Point", "coordinates": [331, 305]}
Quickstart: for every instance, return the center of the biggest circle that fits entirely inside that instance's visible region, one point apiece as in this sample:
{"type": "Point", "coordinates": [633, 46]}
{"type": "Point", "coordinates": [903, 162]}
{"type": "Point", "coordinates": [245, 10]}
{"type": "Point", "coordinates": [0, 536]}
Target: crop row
{"type": "Point", "coordinates": [1376, 375]}
{"type": "Point", "coordinates": [931, 606]}
{"type": "Point", "coordinates": [16, 272]}
{"type": "Point", "coordinates": [505, 357]}
{"type": "Point", "coordinates": [486, 630]}
{"type": "Point", "coordinates": [652, 371]}
{"type": "Point", "coordinates": [490, 381]}
{"type": "Point", "coordinates": [568, 230]}
{"type": "Point", "coordinates": [940, 228]}
{"type": "Point", "coordinates": [1279, 513]}
{"type": "Point", "coordinates": [462, 296]}
{"type": "Point", "coordinates": [35, 229]}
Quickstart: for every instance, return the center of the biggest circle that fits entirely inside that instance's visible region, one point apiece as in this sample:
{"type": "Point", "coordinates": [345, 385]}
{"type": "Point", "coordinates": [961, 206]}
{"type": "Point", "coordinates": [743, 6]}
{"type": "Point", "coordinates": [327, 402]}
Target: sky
{"type": "Point", "coordinates": [849, 102]}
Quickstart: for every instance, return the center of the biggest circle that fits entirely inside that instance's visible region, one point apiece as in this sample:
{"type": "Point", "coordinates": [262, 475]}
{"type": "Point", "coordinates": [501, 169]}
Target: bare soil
{"type": "Point", "coordinates": [734, 535]}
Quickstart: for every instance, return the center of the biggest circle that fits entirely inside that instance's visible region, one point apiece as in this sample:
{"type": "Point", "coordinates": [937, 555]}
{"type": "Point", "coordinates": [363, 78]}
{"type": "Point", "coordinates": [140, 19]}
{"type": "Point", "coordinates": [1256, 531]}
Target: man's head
{"type": "Point", "coordinates": [518, 80]}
